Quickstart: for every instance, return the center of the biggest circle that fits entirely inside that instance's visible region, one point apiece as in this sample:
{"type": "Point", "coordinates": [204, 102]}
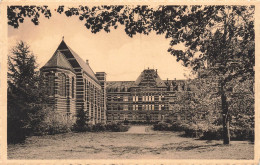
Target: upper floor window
{"type": "Point", "coordinates": [135, 98]}
{"type": "Point", "coordinates": [125, 98]}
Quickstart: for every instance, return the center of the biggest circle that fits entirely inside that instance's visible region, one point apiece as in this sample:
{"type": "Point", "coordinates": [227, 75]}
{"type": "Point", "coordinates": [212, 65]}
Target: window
{"type": "Point", "coordinates": [134, 107]}
{"type": "Point", "coordinates": [51, 84]}
{"type": "Point", "coordinates": [146, 98]}
{"type": "Point", "coordinates": [85, 89]}
{"type": "Point", "coordinates": [143, 98]}
{"type": "Point", "coordinates": [152, 107]}
{"type": "Point", "coordinates": [62, 91]}
{"type": "Point", "coordinates": [152, 98]}
{"type": "Point", "coordinates": [125, 98]}
{"type": "Point", "coordinates": [135, 98]}
{"type": "Point", "coordinates": [160, 98]}
{"type": "Point", "coordinates": [125, 107]}
{"type": "Point", "coordinates": [160, 108]}
{"type": "Point", "coordinates": [72, 87]}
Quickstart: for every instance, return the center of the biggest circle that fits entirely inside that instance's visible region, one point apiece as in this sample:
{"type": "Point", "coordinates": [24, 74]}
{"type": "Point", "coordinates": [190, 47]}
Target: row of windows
{"type": "Point", "coordinates": [127, 89]}
{"type": "Point", "coordinates": [135, 98]}
{"type": "Point", "coordinates": [62, 86]}
{"type": "Point", "coordinates": [136, 107]}
{"type": "Point", "coordinates": [91, 93]}
{"type": "Point", "coordinates": [134, 117]}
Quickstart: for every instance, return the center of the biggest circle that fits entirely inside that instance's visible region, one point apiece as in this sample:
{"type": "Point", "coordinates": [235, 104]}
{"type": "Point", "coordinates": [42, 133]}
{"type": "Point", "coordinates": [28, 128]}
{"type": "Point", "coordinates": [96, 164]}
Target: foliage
{"type": "Point", "coordinates": [16, 14]}
{"type": "Point", "coordinates": [205, 132]}
{"type": "Point", "coordinates": [26, 95]}
{"type": "Point", "coordinates": [99, 127]}
{"type": "Point", "coordinates": [53, 123]}
{"type": "Point", "coordinates": [81, 121]}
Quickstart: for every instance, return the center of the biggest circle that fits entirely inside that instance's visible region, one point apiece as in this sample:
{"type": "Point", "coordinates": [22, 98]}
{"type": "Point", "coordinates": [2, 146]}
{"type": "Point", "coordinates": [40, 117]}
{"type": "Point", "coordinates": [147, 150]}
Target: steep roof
{"type": "Point", "coordinates": [149, 77]}
{"type": "Point", "coordinates": [58, 60]}
{"type": "Point", "coordinates": [71, 55]}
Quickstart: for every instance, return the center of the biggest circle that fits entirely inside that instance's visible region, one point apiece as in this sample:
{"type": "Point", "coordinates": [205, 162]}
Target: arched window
{"type": "Point", "coordinates": [51, 84]}
{"type": "Point", "coordinates": [85, 89]}
{"type": "Point", "coordinates": [72, 87]}
{"type": "Point", "coordinates": [62, 86]}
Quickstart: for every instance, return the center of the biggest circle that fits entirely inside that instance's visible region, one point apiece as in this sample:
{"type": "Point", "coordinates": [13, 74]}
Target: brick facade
{"type": "Point", "coordinates": [73, 85]}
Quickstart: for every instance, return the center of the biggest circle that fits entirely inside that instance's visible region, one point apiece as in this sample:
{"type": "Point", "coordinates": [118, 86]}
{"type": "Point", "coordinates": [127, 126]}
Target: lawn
{"type": "Point", "coordinates": [138, 143]}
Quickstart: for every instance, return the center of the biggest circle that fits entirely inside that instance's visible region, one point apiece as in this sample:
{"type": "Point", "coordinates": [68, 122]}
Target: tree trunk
{"type": "Point", "coordinates": [226, 131]}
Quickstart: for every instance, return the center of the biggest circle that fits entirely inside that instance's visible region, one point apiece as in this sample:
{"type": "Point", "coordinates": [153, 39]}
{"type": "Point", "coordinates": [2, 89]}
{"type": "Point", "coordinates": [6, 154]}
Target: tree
{"type": "Point", "coordinates": [221, 36]}
{"type": "Point", "coordinates": [26, 94]}
{"type": "Point", "coordinates": [81, 121]}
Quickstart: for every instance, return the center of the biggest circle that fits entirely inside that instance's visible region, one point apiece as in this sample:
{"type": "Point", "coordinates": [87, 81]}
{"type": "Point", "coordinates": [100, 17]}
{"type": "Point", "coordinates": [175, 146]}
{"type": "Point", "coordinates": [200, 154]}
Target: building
{"type": "Point", "coordinates": [72, 85]}
{"type": "Point", "coordinates": [149, 98]}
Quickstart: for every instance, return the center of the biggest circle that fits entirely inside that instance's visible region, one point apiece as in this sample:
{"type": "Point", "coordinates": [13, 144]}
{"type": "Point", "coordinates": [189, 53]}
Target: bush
{"type": "Point", "coordinates": [193, 131]}
{"type": "Point", "coordinates": [55, 123]}
{"type": "Point", "coordinates": [15, 133]}
{"type": "Point", "coordinates": [99, 127]}
{"type": "Point", "coordinates": [213, 133]}
{"type": "Point", "coordinates": [117, 127]}
{"type": "Point", "coordinates": [238, 133]}
{"type": "Point", "coordinates": [162, 126]}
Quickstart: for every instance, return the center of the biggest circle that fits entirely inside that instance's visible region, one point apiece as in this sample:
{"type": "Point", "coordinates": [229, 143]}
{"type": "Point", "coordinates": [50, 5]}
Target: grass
{"type": "Point", "coordinates": [127, 145]}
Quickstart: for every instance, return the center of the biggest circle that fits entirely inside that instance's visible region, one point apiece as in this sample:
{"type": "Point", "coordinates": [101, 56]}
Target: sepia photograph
{"type": "Point", "coordinates": [130, 82]}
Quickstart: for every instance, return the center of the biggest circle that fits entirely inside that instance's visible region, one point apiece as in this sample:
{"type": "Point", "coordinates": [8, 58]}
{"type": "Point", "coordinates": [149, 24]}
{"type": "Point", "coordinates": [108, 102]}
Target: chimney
{"type": "Point", "coordinates": [87, 62]}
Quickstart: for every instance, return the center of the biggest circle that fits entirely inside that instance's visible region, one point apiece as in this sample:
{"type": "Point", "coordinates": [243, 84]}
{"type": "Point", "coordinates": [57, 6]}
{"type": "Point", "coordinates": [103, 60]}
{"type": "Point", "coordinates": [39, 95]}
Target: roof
{"type": "Point", "coordinates": [149, 77]}
{"type": "Point", "coordinates": [69, 53]}
{"type": "Point", "coordinates": [121, 84]}
{"type": "Point", "coordinates": [58, 60]}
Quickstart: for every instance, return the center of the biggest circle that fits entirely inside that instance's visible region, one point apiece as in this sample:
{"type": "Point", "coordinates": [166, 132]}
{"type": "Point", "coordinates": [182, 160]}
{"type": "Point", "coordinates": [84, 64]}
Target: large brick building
{"type": "Point", "coordinates": [149, 98]}
{"type": "Point", "coordinates": [73, 85]}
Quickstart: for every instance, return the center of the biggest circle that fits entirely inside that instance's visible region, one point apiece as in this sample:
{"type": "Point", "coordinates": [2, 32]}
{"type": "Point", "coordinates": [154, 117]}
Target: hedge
{"type": "Point", "coordinates": [206, 132]}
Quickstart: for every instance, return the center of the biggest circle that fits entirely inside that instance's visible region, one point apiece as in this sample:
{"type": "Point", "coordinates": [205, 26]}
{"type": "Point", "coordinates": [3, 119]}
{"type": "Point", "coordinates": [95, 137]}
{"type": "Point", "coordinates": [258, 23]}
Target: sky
{"type": "Point", "coordinates": [121, 57]}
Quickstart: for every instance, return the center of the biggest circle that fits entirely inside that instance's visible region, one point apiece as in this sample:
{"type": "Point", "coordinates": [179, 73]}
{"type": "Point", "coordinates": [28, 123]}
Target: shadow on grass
{"type": "Point", "coordinates": [192, 147]}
